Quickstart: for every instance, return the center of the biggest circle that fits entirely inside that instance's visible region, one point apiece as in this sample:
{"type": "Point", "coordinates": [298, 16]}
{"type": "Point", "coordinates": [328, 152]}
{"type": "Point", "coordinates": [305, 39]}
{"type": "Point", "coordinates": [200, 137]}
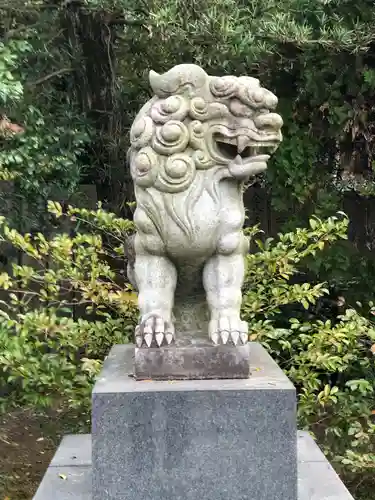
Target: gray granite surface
{"type": "Point", "coordinates": [75, 449]}
{"type": "Point", "coordinates": [66, 483]}
{"type": "Point", "coordinates": [227, 438]}
{"type": "Point", "coordinates": [196, 361]}
{"type": "Point", "coordinates": [66, 480]}
{"type": "Point", "coordinates": [117, 376]}
{"type": "Point", "coordinates": [318, 480]}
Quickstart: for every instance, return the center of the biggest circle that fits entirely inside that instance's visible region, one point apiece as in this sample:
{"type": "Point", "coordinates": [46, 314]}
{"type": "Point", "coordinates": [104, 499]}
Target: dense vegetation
{"type": "Point", "coordinates": [72, 76]}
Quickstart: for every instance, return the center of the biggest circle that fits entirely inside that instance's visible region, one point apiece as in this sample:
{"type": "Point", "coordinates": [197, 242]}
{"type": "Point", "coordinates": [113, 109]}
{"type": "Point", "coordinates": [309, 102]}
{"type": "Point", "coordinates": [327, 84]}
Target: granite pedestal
{"type": "Point", "coordinates": [215, 439]}
{"type": "Point", "coordinates": [189, 439]}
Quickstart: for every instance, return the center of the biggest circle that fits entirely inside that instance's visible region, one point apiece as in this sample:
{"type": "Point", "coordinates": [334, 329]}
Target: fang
{"type": "Point", "coordinates": [242, 143]}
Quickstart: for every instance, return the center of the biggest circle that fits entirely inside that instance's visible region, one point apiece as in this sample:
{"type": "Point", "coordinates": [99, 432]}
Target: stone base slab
{"type": "Point", "coordinates": [69, 475]}
{"type": "Point", "coordinates": [192, 362]}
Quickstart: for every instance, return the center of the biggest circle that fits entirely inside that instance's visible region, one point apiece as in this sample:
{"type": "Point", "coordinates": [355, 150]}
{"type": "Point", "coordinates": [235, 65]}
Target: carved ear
{"type": "Point", "coordinates": [153, 78]}
{"type": "Point", "coordinates": [176, 79]}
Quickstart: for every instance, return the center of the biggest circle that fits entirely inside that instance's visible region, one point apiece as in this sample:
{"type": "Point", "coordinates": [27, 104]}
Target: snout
{"type": "Point", "coordinates": [270, 99]}
{"type": "Point", "coordinates": [271, 121]}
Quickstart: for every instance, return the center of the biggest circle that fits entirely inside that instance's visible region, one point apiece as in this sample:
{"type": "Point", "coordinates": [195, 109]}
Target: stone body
{"type": "Point", "coordinates": [194, 145]}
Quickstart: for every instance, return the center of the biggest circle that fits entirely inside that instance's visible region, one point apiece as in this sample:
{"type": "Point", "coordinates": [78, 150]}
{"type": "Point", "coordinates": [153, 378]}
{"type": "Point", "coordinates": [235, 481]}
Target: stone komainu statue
{"type": "Point", "coordinates": [193, 146]}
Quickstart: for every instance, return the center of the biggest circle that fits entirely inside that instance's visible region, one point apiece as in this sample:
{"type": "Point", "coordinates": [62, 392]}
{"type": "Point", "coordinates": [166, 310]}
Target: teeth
{"type": "Point", "coordinates": [242, 143]}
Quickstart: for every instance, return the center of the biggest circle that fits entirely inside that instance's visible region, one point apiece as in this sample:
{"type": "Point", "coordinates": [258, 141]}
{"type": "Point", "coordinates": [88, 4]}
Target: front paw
{"type": "Point", "coordinates": [154, 331]}
{"type": "Point", "coordinates": [228, 330]}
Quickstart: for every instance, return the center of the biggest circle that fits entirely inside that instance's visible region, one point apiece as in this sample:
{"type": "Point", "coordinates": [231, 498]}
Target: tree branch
{"type": "Point", "coordinates": [45, 78]}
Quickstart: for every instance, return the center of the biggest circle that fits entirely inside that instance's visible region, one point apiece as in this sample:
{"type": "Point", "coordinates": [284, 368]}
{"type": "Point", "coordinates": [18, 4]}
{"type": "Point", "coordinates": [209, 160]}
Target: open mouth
{"type": "Point", "coordinates": [243, 147]}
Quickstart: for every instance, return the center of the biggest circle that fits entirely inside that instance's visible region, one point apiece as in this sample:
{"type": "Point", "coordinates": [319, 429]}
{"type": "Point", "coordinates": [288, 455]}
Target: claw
{"type": "Point", "coordinates": [215, 338]}
{"type": "Point", "coordinates": [235, 336]}
{"type": "Point", "coordinates": [224, 336]}
{"type": "Point", "coordinates": [244, 337]}
{"type": "Point", "coordinates": [169, 338]}
{"type": "Point", "coordinates": [138, 336]}
{"type": "Point", "coordinates": [159, 337]}
{"type": "Point", "coordinates": [151, 331]}
{"type": "Point", "coordinates": [148, 338]}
